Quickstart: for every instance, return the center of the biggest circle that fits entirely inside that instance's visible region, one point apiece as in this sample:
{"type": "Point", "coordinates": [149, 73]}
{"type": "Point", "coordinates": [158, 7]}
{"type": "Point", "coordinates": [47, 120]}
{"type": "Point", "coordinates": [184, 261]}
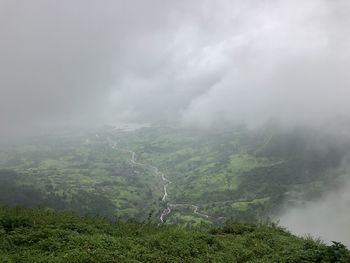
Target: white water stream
{"type": "Point", "coordinates": [166, 182]}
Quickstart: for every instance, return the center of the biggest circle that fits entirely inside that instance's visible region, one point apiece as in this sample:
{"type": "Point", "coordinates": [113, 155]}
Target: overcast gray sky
{"type": "Point", "coordinates": [85, 61]}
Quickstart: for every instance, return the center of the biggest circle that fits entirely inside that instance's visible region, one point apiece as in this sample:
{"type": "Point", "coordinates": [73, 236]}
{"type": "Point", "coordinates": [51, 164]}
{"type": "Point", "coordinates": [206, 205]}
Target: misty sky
{"type": "Point", "coordinates": [85, 61]}
{"type": "Point", "coordinates": [327, 218]}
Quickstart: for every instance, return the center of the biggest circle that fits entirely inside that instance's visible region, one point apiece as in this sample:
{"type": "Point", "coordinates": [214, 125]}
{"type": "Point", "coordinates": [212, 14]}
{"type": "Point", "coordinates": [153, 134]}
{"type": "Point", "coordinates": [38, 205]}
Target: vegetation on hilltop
{"type": "Point", "coordinates": [41, 235]}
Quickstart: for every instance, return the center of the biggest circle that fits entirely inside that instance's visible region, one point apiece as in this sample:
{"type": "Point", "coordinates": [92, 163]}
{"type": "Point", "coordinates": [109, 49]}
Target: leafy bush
{"type": "Point", "coordinates": [41, 235]}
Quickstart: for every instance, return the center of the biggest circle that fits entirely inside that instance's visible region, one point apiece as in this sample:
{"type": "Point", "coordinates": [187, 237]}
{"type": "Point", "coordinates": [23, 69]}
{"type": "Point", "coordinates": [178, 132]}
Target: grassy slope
{"type": "Point", "coordinates": [35, 235]}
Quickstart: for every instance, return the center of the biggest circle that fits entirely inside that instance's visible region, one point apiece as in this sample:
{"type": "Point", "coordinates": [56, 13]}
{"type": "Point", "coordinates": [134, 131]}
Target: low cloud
{"type": "Point", "coordinates": [327, 218]}
{"type": "Point", "coordinates": [198, 62]}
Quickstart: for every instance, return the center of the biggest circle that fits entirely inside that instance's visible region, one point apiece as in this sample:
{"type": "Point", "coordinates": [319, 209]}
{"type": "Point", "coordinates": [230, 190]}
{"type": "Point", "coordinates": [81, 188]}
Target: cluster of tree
{"type": "Point", "coordinates": [81, 202]}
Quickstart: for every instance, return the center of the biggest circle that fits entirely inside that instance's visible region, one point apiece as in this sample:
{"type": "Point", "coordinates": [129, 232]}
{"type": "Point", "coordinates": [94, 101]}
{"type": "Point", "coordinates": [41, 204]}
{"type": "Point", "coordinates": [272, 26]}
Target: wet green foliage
{"type": "Point", "coordinates": [41, 235]}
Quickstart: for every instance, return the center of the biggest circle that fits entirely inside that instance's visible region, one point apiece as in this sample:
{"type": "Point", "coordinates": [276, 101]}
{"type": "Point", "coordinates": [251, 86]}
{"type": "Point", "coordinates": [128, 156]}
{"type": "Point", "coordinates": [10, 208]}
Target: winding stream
{"type": "Point", "coordinates": [166, 182]}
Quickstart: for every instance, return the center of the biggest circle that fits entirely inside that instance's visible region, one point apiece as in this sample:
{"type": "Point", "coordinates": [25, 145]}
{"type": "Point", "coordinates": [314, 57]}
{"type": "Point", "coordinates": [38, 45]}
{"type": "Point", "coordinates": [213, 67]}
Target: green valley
{"type": "Point", "coordinates": [189, 177]}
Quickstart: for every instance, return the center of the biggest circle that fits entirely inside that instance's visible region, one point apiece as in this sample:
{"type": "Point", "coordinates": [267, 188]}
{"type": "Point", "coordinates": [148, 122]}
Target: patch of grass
{"type": "Point", "coordinates": [39, 235]}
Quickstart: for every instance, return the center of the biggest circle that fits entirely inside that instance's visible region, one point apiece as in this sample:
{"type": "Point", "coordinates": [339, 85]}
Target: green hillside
{"type": "Point", "coordinates": [39, 235]}
{"type": "Point", "coordinates": [210, 176]}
